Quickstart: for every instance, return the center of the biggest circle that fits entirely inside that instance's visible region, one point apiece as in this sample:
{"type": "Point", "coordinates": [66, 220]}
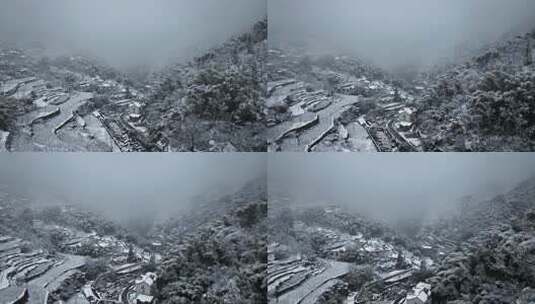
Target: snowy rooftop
{"type": "Point", "coordinates": [420, 292]}
{"type": "Point", "coordinates": [144, 298]}
{"type": "Point", "coordinates": [147, 278]}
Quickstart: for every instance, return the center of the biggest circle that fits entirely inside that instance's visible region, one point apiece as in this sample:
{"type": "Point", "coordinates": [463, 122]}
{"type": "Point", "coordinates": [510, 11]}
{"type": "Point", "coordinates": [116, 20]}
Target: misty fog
{"type": "Point", "coordinates": [127, 32]}
{"type": "Point", "coordinates": [396, 33]}
{"type": "Point", "coordinates": [133, 185]}
{"type": "Point", "coordinates": [393, 186]}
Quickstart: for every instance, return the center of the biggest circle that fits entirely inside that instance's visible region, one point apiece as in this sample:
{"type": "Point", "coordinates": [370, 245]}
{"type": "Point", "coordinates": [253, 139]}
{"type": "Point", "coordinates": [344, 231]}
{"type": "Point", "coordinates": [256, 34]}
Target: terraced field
{"type": "Point", "coordinates": [287, 274]}
{"type": "Point", "coordinates": [36, 271]}
{"type": "Point", "coordinates": [38, 130]}
{"type": "Point", "coordinates": [10, 294]}
{"type": "Point", "coordinates": [308, 284]}
{"type": "Point", "coordinates": [349, 138]}
{"type": "Point", "coordinates": [313, 119]}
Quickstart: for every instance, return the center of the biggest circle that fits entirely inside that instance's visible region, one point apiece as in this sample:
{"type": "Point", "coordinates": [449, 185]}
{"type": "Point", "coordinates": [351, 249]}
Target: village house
{"type": "Point", "coordinates": [144, 284]}
{"type": "Point", "coordinates": [419, 295]}
{"type": "Point", "coordinates": [406, 113]}
{"type": "Point", "coordinates": [405, 126]}
{"type": "Point", "coordinates": [144, 299]}
{"type": "Point", "coordinates": [348, 89]}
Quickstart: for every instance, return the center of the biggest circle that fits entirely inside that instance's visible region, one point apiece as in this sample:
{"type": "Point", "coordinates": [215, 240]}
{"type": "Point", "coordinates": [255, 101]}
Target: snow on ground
{"type": "Point", "coordinates": [305, 291]}
{"type": "Point", "coordinates": [298, 141]}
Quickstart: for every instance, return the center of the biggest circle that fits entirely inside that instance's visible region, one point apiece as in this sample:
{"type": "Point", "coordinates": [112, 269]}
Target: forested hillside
{"type": "Point", "coordinates": [214, 102]}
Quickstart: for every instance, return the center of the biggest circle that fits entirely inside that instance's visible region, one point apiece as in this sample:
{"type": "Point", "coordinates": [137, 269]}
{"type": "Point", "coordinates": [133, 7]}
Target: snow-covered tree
{"type": "Point", "coordinates": [528, 60]}
{"type": "Point", "coordinates": [131, 258]}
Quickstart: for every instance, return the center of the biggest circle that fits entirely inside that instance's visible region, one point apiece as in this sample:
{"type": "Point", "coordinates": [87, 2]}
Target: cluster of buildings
{"type": "Point", "coordinates": [142, 288]}
{"type": "Point", "coordinates": [393, 127]}
{"type": "Point", "coordinates": [404, 125]}
{"type": "Point", "coordinates": [130, 285]}
{"type": "Point", "coordinates": [129, 281]}
{"type": "Point", "coordinates": [350, 85]}
{"type": "Point", "coordinates": [98, 85]}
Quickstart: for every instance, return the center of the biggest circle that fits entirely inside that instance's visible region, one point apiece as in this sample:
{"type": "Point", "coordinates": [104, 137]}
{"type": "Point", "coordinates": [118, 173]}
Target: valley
{"type": "Point", "coordinates": [340, 103]}
{"type": "Point", "coordinates": [330, 254]}
{"type": "Point", "coordinates": [65, 254]}
{"type": "Point", "coordinates": [78, 103]}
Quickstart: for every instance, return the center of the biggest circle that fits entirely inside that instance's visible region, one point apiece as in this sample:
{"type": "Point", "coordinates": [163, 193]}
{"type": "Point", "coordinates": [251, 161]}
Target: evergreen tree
{"type": "Point", "coordinates": [151, 266]}
{"type": "Point", "coordinates": [128, 93]}
{"type": "Point", "coordinates": [400, 262]}
{"type": "Point", "coordinates": [152, 261]}
{"type": "Point", "coordinates": [131, 258]}
{"type": "Point", "coordinates": [397, 97]}
{"type": "Point", "coordinates": [529, 56]}
{"type": "Point", "coordinates": [423, 265]}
